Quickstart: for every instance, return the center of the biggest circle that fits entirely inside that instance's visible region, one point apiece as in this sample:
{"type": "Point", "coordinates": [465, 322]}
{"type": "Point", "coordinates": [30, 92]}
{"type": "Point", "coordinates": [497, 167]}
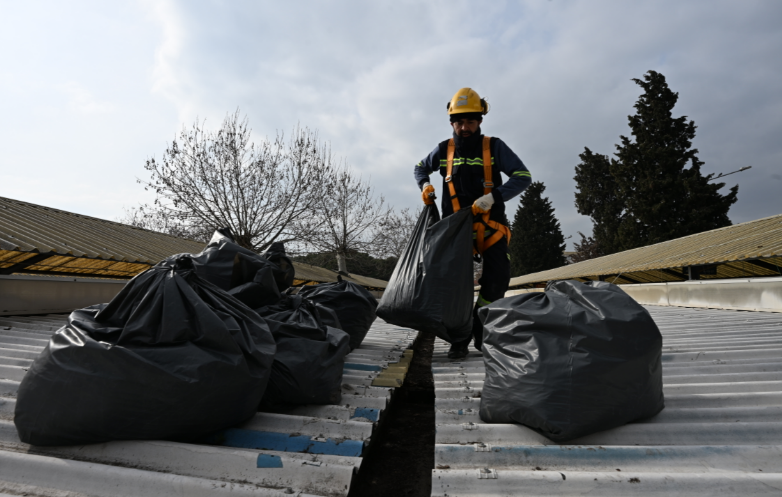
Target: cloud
{"type": "Point", "coordinates": [82, 101]}
{"type": "Point", "coordinates": [374, 77]}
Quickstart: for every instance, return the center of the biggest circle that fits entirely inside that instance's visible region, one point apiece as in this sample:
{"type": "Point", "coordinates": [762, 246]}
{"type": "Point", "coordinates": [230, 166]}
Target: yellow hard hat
{"type": "Point", "coordinates": [467, 100]}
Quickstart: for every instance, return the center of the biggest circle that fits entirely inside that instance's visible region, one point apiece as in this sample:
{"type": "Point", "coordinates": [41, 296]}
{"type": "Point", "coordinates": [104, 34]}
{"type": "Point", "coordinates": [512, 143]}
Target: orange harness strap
{"type": "Point", "coordinates": [449, 177]}
{"type": "Point", "coordinates": [480, 226]}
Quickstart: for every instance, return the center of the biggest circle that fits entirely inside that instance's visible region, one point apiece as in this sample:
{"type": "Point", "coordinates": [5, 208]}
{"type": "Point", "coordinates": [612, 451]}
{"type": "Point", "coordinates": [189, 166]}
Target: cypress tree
{"type": "Point", "coordinates": [536, 242]}
{"type": "Point", "coordinates": [596, 197]}
{"type": "Point", "coordinates": [654, 190]}
{"type": "Point", "coordinates": [586, 249]}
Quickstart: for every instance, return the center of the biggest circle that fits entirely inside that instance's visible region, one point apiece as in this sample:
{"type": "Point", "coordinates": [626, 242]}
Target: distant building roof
{"type": "Point", "coordinates": [35, 239]}
{"type": "Point", "coordinates": [748, 249]}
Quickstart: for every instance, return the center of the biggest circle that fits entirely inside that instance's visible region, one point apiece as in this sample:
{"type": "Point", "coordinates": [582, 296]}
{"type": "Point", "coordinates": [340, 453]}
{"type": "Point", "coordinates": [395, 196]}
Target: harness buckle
{"type": "Point", "coordinates": [488, 184]}
{"type": "Point", "coordinates": [448, 178]}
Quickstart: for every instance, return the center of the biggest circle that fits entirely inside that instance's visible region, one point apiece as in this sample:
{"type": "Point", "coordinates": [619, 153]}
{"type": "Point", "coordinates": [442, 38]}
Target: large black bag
{"type": "Point", "coordinates": [577, 359]}
{"type": "Point", "coordinates": [259, 292]}
{"type": "Point", "coordinates": [170, 357]}
{"type": "Point", "coordinates": [431, 289]}
{"type": "Point", "coordinates": [353, 304]}
{"type": "Point", "coordinates": [226, 264]}
{"type": "Point", "coordinates": [286, 272]}
{"type": "Point", "coordinates": [216, 262]}
{"type": "Point", "coordinates": [310, 356]}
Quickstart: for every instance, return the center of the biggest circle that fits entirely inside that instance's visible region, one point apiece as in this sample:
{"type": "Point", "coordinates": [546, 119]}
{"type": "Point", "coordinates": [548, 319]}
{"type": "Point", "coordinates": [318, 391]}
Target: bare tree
{"type": "Point", "coordinates": [157, 220]}
{"type": "Point", "coordinates": [345, 218]}
{"type": "Point", "coordinates": [392, 233]}
{"type": "Point", "coordinates": [209, 179]}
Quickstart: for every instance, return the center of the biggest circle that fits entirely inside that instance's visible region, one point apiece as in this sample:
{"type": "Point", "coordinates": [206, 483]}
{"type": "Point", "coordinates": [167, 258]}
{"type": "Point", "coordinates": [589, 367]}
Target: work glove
{"type": "Point", "coordinates": [483, 204]}
{"type": "Point", "coordinates": [427, 194]}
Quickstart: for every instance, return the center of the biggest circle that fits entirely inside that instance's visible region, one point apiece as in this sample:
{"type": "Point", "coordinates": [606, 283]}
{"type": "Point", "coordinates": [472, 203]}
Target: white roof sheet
{"type": "Point", "coordinates": [340, 432]}
{"type": "Point", "coordinates": [719, 434]}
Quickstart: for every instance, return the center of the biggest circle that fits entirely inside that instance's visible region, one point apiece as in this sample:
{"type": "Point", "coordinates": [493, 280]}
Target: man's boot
{"type": "Point", "coordinates": [459, 350]}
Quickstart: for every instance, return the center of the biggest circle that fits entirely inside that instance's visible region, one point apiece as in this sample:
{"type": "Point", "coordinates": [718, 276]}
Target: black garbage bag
{"type": "Point", "coordinates": [228, 265]}
{"type": "Point", "coordinates": [261, 291]}
{"type": "Point", "coordinates": [216, 262]}
{"type": "Point", "coordinates": [170, 357]}
{"type": "Point", "coordinates": [286, 272]}
{"type": "Point", "coordinates": [310, 356]}
{"type": "Point", "coordinates": [431, 289]}
{"type": "Point", "coordinates": [577, 359]}
{"type": "Point", "coordinates": [353, 304]}
{"type": "Point", "coordinates": [327, 316]}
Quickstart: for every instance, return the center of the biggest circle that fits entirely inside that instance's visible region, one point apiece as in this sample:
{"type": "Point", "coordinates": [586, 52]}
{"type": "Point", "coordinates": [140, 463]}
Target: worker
{"type": "Point", "coordinates": [467, 183]}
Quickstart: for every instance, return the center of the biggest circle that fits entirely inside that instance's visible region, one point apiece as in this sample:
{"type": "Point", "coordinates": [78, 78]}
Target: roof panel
{"type": "Point", "coordinates": [340, 432]}
{"type": "Point", "coordinates": [43, 229]}
{"type": "Point", "coordinates": [721, 430]}
{"type": "Point", "coordinates": [754, 239]}
{"type": "Point", "coordinates": [76, 242]}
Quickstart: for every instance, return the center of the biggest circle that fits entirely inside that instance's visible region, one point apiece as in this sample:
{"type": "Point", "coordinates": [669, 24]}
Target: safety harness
{"type": "Point", "coordinates": [479, 227]}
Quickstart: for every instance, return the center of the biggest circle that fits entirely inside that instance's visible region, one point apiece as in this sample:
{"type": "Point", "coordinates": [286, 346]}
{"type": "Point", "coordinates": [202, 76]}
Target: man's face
{"type": "Point", "coordinates": [465, 127]}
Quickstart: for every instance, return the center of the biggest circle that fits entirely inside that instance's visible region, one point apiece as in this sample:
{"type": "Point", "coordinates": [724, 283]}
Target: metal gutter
{"type": "Point", "coordinates": [753, 294]}
{"type": "Point", "coordinates": [27, 294]}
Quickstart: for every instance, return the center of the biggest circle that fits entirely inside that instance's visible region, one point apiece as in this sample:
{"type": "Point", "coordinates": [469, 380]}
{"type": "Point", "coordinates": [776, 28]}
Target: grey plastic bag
{"type": "Point", "coordinates": [577, 359]}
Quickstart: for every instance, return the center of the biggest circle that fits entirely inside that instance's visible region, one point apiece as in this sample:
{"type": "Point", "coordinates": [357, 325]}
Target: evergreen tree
{"type": "Point", "coordinates": [536, 242]}
{"type": "Point", "coordinates": [652, 195]}
{"type": "Point", "coordinates": [597, 198]}
{"type": "Point", "coordinates": [586, 249]}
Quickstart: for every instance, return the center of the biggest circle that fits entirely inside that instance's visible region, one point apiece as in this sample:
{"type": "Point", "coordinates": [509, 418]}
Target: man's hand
{"type": "Point", "coordinates": [483, 204]}
{"type": "Point", "coordinates": [427, 194]}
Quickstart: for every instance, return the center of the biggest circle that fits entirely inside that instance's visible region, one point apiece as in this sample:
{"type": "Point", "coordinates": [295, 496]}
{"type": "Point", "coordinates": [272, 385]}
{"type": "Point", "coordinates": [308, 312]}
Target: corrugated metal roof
{"type": "Point", "coordinates": [310, 450]}
{"type": "Point", "coordinates": [26, 227]}
{"type": "Point", "coordinates": [41, 240]}
{"type": "Point", "coordinates": [719, 434]}
{"type": "Point", "coordinates": [753, 248]}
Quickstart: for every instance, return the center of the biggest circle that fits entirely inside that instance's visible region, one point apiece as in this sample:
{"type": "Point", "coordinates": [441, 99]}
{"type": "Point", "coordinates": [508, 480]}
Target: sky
{"type": "Point", "coordinates": [89, 90]}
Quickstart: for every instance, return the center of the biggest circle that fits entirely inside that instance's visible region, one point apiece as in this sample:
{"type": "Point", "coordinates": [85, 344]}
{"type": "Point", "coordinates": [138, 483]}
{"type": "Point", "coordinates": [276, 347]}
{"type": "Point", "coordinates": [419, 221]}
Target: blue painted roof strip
{"type": "Point", "coordinates": [284, 442]}
{"type": "Point", "coordinates": [384, 342]}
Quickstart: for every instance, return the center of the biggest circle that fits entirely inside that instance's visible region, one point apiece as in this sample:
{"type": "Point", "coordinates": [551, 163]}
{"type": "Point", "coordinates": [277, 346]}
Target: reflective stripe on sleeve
{"type": "Point", "coordinates": [482, 301]}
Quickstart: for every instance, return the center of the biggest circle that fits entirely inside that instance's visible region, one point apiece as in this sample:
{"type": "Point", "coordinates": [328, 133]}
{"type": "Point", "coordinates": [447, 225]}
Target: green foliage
{"type": "Point", "coordinates": [536, 241]}
{"type": "Point", "coordinates": [597, 197]}
{"type": "Point", "coordinates": [360, 263]}
{"type": "Point", "coordinates": [586, 249]}
{"type": "Point", "coordinates": [654, 190]}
